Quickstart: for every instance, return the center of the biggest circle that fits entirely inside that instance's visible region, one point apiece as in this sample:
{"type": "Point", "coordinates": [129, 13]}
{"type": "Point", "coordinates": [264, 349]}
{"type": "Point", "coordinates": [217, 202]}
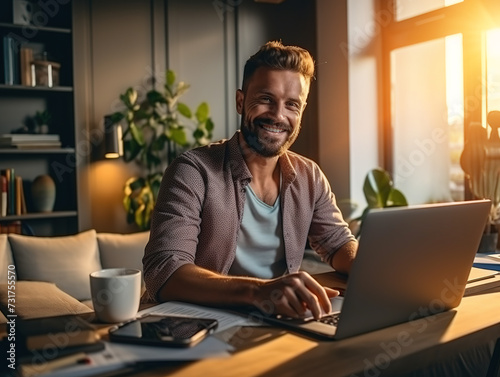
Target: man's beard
{"type": "Point", "coordinates": [262, 144]}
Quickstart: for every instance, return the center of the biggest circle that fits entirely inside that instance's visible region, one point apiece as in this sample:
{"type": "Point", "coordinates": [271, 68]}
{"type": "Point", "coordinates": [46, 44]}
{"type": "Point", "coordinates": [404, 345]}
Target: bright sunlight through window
{"type": "Point", "coordinates": [493, 70]}
{"type": "Point", "coordinates": [405, 9]}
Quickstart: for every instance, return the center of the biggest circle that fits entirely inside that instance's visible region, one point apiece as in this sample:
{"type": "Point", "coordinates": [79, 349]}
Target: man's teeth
{"type": "Point", "coordinates": [272, 129]}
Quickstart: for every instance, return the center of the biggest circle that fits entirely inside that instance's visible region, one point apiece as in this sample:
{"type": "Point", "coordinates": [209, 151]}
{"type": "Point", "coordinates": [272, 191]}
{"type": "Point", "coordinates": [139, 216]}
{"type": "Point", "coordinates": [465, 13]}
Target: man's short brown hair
{"type": "Point", "coordinates": [275, 55]}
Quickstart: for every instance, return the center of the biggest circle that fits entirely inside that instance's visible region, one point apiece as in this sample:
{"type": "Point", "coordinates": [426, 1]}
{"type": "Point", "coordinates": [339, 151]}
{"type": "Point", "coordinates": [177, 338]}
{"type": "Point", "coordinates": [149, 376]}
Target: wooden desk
{"type": "Point", "coordinates": [270, 352]}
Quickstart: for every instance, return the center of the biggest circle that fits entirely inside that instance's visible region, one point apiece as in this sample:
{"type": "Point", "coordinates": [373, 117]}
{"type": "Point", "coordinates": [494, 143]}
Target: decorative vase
{"type": "Point", "coordinates": [43, 192]}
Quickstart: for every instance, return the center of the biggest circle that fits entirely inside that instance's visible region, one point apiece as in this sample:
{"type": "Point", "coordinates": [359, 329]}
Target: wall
{"type": "Point", "coordinates": [349, 50]}
{"type": "Point", "coordinates": [333, 103]}
{"type": "Point", "coordinates": [114, 39]}
{"type": "Point", "coordinates": [122, 43]}
{"type": "Point", "coordinates": [294, 23]}
{"type": "Point", "coordinates": [366, 20]}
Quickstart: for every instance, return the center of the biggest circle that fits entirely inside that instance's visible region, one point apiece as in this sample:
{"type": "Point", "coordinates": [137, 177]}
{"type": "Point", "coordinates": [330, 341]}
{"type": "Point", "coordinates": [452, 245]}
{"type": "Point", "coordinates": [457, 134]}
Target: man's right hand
{"type": "Point", "coordinates": [292, 295]}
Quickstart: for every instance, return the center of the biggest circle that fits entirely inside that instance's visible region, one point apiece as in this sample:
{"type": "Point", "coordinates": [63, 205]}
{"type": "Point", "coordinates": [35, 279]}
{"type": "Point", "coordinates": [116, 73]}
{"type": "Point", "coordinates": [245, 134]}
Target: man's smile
{"type": "Point", "coordinates": [269, 125]}
{"type": "Point", "coordinates": [272, 128]}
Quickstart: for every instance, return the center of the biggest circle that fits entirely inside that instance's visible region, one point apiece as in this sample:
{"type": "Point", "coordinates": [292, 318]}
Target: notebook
{"type": "Point", "coordinates": [412, 261]}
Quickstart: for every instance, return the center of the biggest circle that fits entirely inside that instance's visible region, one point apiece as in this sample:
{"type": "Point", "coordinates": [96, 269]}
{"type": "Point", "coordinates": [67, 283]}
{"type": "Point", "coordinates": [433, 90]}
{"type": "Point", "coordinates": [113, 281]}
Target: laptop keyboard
{"type": "Point", "coordinates": [331, 319]}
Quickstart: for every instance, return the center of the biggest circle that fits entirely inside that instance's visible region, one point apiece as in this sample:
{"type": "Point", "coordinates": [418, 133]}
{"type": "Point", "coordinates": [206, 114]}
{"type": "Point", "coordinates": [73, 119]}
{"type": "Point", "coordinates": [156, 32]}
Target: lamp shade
{"type": "Point", "coordinates": [113, 139]}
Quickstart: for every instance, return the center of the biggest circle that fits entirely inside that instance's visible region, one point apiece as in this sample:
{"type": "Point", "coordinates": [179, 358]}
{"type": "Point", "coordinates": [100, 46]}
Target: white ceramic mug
{"type": "Point", "coordinates": [116, 293]}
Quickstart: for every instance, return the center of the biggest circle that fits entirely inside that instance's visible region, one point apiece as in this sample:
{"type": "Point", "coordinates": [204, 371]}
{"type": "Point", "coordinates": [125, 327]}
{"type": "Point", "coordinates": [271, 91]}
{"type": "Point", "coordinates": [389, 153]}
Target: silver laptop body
{"type": "Point", "coordinates": [412, 262]}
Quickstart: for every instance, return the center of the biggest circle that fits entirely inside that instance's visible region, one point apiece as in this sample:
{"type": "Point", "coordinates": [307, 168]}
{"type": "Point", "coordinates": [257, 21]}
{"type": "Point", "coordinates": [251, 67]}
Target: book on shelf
{"type": "Point", "coordinates": [55, 333]}
{"type": "Point", "coordinates": [45, 145]}
{"type": "Point", "coordinates": [26, 58]}
{"type": "Point", "coordinates": [11, 60]}
{"type": "Point", "coordinates": [13, 191]}
{"type": "Point", "coordinates": [29, 137]}
{"type": "Point", "coordinates": [9, 179]}
{"type": "Point", "coordinates": [30, 141]}
{"type": "Point", "coordinates": [14, 227]}
{"type": "Point", "coordinates": [3, 195]}
{"type": "Point", "coordinates": [20, 199]}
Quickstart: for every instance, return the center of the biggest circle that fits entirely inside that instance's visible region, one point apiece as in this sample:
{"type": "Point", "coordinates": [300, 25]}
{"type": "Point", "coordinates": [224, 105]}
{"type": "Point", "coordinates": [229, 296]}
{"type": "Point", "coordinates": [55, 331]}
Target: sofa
{"type": "Point", "coordinates": [52, 273]}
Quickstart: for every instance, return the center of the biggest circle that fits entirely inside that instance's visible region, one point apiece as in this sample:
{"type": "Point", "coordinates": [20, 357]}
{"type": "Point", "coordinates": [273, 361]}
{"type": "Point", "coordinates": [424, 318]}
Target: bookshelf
{"type": "Point", "coordinates": [47, 34]}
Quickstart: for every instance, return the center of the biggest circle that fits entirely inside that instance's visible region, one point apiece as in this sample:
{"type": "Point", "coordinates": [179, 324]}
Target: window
{"type": "Point", "coordinates": [493, 69]}
{"type": "Point", "coordinates": [442, 73]}
{"type": "Point", "coordinates": [427, 118]}
{"type": "Point", "coordinates": [405, 9]}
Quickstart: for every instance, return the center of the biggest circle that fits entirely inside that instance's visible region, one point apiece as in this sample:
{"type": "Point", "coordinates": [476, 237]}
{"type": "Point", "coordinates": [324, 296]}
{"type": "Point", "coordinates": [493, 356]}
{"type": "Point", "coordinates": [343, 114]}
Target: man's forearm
{"type": "Point", "coordinates": [197, 285]}
{"type": "Point", "coordinates": [343, 258]}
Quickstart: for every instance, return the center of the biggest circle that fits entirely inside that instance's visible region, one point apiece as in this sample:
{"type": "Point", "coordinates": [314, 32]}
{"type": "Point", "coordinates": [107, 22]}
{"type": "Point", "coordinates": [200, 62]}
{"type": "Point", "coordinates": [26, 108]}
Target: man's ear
{"type": "Point", "coordinates": [240, 96]}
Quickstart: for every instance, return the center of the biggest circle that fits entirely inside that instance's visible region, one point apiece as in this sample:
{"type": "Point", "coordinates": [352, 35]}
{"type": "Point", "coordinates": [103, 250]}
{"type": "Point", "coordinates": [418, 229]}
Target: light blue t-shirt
{"type": "Point", "coordinates": [260, 251]}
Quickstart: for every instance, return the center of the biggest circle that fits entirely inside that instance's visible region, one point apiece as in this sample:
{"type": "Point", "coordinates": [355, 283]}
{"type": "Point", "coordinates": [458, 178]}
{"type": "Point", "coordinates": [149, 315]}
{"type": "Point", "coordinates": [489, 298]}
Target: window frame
{"type": "Point", "coordinates": [471, 18]}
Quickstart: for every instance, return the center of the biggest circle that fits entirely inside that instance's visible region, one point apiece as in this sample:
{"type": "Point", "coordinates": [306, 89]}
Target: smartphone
{"type": "Point", "coordinates": [162, 330]}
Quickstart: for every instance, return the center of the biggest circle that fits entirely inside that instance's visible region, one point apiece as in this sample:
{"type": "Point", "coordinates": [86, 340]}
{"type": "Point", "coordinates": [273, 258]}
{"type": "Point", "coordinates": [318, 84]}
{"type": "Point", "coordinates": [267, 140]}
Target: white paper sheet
{"type": "Point", "coordinates": [225, 319]}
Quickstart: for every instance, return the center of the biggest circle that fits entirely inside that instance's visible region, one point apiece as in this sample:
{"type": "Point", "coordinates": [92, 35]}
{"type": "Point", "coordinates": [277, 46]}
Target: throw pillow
{"type": "Point", "coordinates": [36, 299]}
{"type": "Point", "coordinates": [66, 261]}
{"type": "Point", "coordinates": [5, 258]}
{"type": "Point", "coordinates": [122, 250]}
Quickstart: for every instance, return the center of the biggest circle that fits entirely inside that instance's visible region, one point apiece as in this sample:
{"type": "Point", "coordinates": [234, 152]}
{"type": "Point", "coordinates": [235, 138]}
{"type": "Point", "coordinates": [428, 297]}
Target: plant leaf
{"type": "Point", "coordinates": [117, 117]}
{"type": "Point", "coordinates": [182, 88]}
{"type": "Point", "coordinates": [152, 159]}
{"type": "Point", "coordinates": [137, 183]}
{"type": "Point", "coordinates": [154, 96]}
{"type": "Point", "coordinates": [202, 112]}
{"type": "Point", "coordinates": [154, 183]}
{"type": "Point", "coordinates": [396, 199]}
{"type": "Point", "coordinates": [377, 187]}
{"type": "Point", "coordinates": [170, 77]}
{"type": "Point", "coordinates": [131, 149]}
{"type": "Point", "coordinates": [178, 135]}
{"type": "Point", "coordinates": [198, 134]}
{"type": "Point", "coordinates": [159, 143]}
{"type": "Point", "coordinates": [209, 125]}
{"type": "Point", "coordinates": [184, 110]}
{"type": "Point", "coordinates": [132, 96]}
{"type": "Point", "coordinates": [136, 134]}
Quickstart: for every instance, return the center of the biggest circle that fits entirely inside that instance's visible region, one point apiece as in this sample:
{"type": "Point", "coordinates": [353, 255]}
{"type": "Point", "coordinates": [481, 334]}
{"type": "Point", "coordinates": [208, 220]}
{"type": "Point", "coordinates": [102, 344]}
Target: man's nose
{"type": "Point", "coordinates": [279, 111]}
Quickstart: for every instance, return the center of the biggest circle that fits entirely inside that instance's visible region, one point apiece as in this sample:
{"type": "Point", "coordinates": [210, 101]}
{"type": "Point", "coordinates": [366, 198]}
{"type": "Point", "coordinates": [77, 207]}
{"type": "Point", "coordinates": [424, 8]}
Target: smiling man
{"type": "Point", "coordinates": [232, 219]}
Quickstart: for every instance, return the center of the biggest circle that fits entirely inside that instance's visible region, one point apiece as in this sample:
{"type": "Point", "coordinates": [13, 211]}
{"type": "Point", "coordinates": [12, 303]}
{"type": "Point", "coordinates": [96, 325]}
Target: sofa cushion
{"type": "Point", "coordinates": [5, 258]}
{"type": "Point", "coordinates": [66, 261]}
{"type": "Point", "coordinates": [40, 299]}
{"type": "Point", "coordinates": [122, 250]}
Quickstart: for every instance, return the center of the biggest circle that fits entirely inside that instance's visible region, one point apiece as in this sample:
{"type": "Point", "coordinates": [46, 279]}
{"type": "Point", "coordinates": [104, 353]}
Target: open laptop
{"type": "Point", "coordinates": [412, 261]}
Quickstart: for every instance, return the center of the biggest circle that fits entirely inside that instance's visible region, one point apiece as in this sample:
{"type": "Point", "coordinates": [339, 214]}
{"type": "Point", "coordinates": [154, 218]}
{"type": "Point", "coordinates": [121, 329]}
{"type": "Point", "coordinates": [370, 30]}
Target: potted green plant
{"type": "Point", "coordinates": [379, 192]}
{"type": "Point", "coordinates": [158, 129]}
{"type": "Point", "coordinates": [42, 120]}
{"type": "Point", "coordinates": [480, 161]}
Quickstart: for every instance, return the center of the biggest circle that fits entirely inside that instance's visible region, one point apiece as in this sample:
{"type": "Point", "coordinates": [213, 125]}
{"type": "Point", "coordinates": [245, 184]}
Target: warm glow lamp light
{"type": "Point", "coordinates": [113, 139]}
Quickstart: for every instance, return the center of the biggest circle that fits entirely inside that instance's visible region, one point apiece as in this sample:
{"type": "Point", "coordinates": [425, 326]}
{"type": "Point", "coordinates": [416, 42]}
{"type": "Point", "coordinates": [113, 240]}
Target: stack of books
{"type": "Point", "coordinates": [17, 61]}
{"type": "Point", "coordinates": [12, 198]}
{"type": "Point", "coordinates": [30, 141]}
